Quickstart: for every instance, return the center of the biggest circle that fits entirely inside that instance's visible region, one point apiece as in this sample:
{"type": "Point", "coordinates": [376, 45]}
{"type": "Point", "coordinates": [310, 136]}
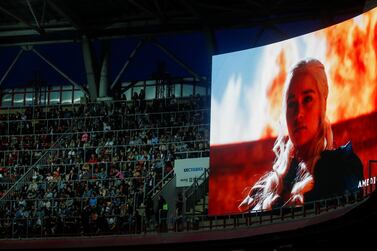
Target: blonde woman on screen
{"type": "Point", "coordinates": [306, 167]}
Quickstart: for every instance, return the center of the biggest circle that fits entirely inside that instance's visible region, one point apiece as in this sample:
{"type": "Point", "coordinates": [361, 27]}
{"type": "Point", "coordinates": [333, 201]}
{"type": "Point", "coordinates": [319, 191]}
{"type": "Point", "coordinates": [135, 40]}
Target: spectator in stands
{"type": "Point", "coordinates": [179, 212]}
{"type": "Point", "coordinates": [162, 213]}
{"type": "Point", "coordinates": [307, 167]}
{"type": "Point", "coordinates": [93, 160]}
{"type": "Point", "coordinates": [142, 100]}
{"type": "Point", "coordinates": [95, 165]}
{"type": "Point", "coordinates": [84, 138]}
{"type": "Point", "coordinates": [106, 126]}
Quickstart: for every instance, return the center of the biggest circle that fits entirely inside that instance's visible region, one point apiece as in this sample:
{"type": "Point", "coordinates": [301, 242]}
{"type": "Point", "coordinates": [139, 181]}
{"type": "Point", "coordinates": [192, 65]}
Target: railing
{"type": "Point", "coordinates": [79, 132]}
{"type": "Point", "coordinates": [123, 166]}
{"type": "Point", "coordinates": [135, 115]}
{"type": "Point", "coordinates": [118, 134]}
{"type": "Point", "coordinates": [122, 163]}
{"type": "Point", "coordinates": [29, 173]}
{"type": "Point", "coordinates": [276, 215]}
{"type": "Point", "coordinates": [111, 106]}
{"type": "Point", "coordinates": [133, 130]}
{"type": "Point", "coordinates": [197, 191]}
{"type": "Point", "coordinates": [181, 103]}
{"type": "Point", "coordinates": [158, 186]}
{"type": "Point", "coordinates": [92, 223]}
{"type": "Point", "coordinates": [139, 147]}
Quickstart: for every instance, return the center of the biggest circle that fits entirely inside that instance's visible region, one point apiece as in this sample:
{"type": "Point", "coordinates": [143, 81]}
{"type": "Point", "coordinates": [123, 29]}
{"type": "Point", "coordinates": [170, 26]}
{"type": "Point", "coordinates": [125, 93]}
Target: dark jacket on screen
{"type": "Point", "coordinates": [335, 173]}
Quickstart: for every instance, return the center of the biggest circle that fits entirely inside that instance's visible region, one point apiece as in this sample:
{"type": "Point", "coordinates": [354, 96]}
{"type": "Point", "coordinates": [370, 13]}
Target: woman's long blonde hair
{"type": "Point", "coordinates": [266, 192]}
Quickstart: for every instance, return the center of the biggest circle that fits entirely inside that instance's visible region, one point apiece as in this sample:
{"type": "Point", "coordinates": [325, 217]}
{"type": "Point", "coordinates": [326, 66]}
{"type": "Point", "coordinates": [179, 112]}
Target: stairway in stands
{"type": "Point", "coordinates": [26, 177]}
{"type": "Point", "coordinates": [197, 196]}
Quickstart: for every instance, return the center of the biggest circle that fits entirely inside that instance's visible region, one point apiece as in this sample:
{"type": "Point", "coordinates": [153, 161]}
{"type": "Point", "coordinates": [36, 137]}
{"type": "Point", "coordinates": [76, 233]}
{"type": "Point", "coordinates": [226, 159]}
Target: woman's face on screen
{"type": "Point", "coordinates": [303, 109]}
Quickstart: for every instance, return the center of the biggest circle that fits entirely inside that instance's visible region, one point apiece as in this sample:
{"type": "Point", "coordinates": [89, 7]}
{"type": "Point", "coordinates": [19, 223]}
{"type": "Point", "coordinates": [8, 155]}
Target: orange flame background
{"type": "Point", "coordinates": [351, 64]}
{"type": "Point", "coordinates": [351, 60]}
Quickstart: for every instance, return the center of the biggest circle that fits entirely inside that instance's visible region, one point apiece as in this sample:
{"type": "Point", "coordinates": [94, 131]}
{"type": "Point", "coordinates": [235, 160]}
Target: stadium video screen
{"type": "Point", "coordinates": [294, 121]}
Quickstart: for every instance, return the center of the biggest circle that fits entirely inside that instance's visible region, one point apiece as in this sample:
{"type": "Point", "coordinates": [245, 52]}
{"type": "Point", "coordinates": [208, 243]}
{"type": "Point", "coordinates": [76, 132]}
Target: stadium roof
{"type": "Point", "coordinates": [184, 34]}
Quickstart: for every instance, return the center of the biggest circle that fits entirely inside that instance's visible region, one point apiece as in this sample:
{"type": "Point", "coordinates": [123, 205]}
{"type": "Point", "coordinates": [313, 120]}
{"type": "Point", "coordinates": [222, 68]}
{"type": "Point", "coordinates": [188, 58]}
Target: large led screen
{"type": "Point", "coordinates": [296, 120]}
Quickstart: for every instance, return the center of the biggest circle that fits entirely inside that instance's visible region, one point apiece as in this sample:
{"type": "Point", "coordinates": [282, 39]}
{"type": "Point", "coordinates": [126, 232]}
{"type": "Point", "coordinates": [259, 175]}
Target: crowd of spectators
{"type": "Point", "coordinates": [99, 177]}
{"type": "Point", "coordinates": [24, 135]}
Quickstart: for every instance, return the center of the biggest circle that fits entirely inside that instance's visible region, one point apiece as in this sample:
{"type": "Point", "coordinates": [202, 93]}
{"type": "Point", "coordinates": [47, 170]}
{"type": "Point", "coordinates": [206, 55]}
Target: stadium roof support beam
{"type": "Point", "coordinates": [21, 20]}
{"type": "Point", "coordinates": [89, 63]}
{"type": "Point", "coordinates": [39, 28]}
{"type": "Point", "coordinates": [145, 9]}
{"type": "Point", "coordinates": [190, 8]}
{"type": "Point", "coordinates": [129, 59]}
{"type": "Point", "coordinates": [262, 29]}
{"type": "Point", "coordinates": [43, 12]}
{"type": "Point", "coordinates": [104, 79]}
{"type": "Point", "coordinates": [217, 7]}
{"type": "Point", "coordinates": [11, 66]}
{"type": "Point", "coordinates": [176, 59]}
{"type": "Point", "coordinates": [258, 36]}
{"type": "Point", "coordinates": [63, 11]}
{"type": "Point", "coordinates": [160, 12]}
{"type": "Point", "coordinates": [257, 4]}
{"type": "Point", "coordinates": [211, 40]}
{"type": "Point", "coordinates": [268, 24]}
{"type": "Point", "coordinates": [59, 71]}
{"type": "Point", "coordinates": [208, 31]}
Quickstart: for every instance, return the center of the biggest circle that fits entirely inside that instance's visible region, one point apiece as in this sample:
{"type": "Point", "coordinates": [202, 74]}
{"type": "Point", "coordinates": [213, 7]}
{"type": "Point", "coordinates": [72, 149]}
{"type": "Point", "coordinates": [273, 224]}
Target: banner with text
{"type": "Point", "coordinates": [187, 170]}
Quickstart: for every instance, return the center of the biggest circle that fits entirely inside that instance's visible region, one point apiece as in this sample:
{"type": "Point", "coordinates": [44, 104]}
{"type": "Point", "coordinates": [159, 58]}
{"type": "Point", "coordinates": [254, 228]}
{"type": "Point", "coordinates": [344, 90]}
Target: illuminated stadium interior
{"type": "Point", "coordinates": [156, 124]}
